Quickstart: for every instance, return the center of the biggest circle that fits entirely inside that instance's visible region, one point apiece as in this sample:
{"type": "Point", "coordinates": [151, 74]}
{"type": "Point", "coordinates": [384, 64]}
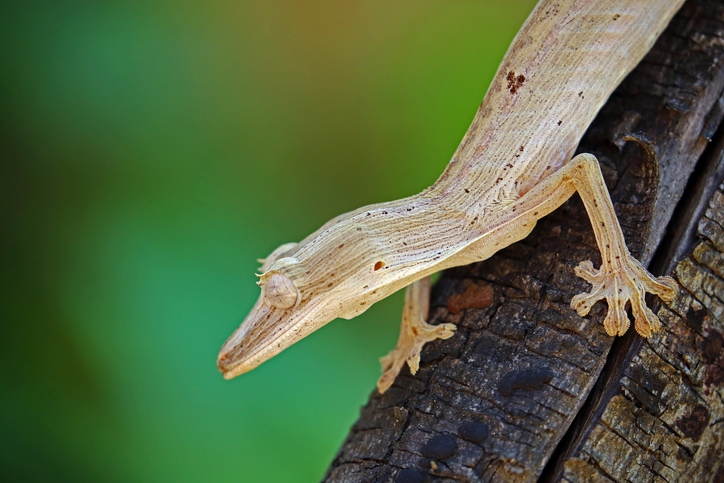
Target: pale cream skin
{"type": "Point", "coordinates": [512, 168]}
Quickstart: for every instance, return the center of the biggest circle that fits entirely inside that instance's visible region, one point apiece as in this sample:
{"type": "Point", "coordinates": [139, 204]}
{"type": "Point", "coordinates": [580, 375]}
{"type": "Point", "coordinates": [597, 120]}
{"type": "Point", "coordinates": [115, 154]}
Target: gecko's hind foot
{"type": "Point", "coordinates": [627, 282]}
{"type": "Point", "coordinates": [413, 336]}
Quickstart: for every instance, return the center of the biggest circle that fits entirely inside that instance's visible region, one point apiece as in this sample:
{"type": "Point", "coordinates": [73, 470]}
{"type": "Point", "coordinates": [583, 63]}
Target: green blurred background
{"type": "Point", "coordinates": [151, 152]}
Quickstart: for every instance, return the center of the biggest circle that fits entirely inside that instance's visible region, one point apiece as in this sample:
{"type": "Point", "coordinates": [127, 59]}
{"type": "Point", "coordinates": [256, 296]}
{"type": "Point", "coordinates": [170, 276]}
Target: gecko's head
{"type": "Point", "coordinates": [295, 300]}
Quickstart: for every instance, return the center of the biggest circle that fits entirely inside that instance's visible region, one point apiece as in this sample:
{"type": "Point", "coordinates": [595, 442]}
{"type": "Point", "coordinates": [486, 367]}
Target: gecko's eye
{"type": "Point", "coordinates": [279, 290]}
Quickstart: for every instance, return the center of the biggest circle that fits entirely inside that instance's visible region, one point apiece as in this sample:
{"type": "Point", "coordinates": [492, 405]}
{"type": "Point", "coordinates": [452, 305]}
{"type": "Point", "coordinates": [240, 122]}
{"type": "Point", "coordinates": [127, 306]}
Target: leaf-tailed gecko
{"type": "Point", "coordinates": [512, 167]}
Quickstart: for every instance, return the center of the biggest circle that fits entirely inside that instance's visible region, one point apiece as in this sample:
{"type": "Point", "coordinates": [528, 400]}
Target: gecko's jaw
{"type": "Point", "coordinates": [230, 371]}
{"type": "Point", "coordinates": [263, 334]}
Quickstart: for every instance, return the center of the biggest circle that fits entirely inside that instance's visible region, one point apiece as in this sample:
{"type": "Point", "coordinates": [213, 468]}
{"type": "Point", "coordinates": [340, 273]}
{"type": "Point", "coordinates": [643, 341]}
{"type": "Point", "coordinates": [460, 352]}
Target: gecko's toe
{"type": "Point", "coordinates": [646, 322]}
{"type": "Point", "coordinates": [664, 287]}
{"type": "Point", "coordinates": [616, 321]}
{"type": "Point", "coordinates": [412, 340]}
{"type": "Point", "coordinates": [583, 302]}
{"type": "Point", "coordinates": [627, 283]}
{"type": "Point", "coordinates": [586, 271]}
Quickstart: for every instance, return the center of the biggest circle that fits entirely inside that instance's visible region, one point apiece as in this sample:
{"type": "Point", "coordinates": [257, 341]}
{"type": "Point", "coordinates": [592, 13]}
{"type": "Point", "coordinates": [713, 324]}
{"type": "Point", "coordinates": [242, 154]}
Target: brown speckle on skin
{"type": "Point", "coordinates": [514, 83]}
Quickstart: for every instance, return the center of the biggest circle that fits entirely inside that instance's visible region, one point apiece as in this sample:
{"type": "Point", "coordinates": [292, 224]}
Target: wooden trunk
{"type": "Point", "coordinates": [528, 391]}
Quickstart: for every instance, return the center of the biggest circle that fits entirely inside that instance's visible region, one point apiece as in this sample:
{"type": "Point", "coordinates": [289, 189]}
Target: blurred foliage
{"type": "Point", "coordinates": [150, 153]}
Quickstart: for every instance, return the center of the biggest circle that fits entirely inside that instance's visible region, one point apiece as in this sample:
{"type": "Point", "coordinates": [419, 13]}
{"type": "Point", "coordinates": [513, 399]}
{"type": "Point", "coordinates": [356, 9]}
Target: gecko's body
{"type": "Point", "coordinates": [511, 169]}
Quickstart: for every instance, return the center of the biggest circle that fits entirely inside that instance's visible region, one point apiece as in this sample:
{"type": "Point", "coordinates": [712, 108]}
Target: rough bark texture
{"type": "Point", "coordinates": [526, 390]}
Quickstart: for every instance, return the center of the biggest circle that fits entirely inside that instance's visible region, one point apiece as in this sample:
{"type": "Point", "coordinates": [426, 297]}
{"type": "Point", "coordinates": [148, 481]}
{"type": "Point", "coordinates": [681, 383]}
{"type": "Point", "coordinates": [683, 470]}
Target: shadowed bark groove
{"type": "Point", "coordinates": [526, 389]}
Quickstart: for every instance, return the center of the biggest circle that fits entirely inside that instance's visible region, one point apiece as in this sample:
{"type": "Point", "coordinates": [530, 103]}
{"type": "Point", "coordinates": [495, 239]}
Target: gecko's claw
{"type": "Point", "coordinates": [627, 283]}
{"type": "Point", "coordinates": [413, 337]}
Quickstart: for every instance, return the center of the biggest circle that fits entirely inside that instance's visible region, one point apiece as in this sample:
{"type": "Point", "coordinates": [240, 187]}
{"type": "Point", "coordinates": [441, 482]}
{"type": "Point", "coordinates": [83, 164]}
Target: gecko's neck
{"type": "Point", "coordinates": [556, 75]}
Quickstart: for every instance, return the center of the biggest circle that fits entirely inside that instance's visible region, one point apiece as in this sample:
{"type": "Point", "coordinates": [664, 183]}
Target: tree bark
{"type": "Point", "coordinates": [527, 390]}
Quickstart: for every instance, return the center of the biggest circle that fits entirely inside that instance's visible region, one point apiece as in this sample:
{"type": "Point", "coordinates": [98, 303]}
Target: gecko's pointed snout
{"type": "Point", "coordinates": [228, 361]}
{"type": "Point", "coordinates": [264, 333]}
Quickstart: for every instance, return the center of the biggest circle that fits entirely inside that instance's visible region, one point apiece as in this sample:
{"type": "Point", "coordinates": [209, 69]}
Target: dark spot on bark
{"type": "Point", "coordinates": [509, 165]}
{"type": "Point", "coordinates": [693, 425]}
{"type": "Point", "coordinates": [580, 94]}
{"type": "Point", "coordinates": [467, 190]}
{"type": "Point", "coordinates": [329, 284]}
{"type": "Point", "coordinates": [719, 477]}
{"type": "Point", "coordinates": [696, 318]}
{"type": "Point", "coordinates": [368, 214]}
{"type": "Point", "coordinates": [359, 229]}
{"type": "Point", "coordinates": [714, 376]}
{"type": "Point", "coordinates": [408, 475]}
{"type": "Point", "coordinates": [379, 265]}
{"type": "Point", "coordinates": [559, 122]}
{"type": "Point", "coordinates": [520, 149]}
{"type": "Point", "coordinates": [363, 303]}
{"type": "Point", "coordinates": [475, 297]}
{"type": "Point", "coordinates": [616, 17]}
{"type": "Point", "coordinates": [341, 245]}
{"type": "Point", "coordinates": [474, 431]}
{"type": "Point", "coordinates": [526, 380]}
{"type": "Point", "coordinates": [384, 212]}
{"type": "Point", "coordinates": [711, 347]}
{"type": "Point", "coordinates": [439, 447]}
{"type": "Point", "coordinates": [404, 243]}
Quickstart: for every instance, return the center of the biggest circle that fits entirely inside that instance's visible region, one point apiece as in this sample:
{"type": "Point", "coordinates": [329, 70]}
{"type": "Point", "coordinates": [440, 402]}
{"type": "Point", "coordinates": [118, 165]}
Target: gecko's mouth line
{"type": "Point", "coordinates": [251, 348]}
{"type": "Point", "coordinates": [237, 370]}
{"type": "Point", "coordinates": [239, 367]}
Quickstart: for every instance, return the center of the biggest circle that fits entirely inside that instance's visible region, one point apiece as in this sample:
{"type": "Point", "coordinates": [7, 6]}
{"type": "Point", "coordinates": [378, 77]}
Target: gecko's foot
{"type": "Point", "coordinates": [413, 336]}
{"type": "Point", "coordinates": [628, 282]}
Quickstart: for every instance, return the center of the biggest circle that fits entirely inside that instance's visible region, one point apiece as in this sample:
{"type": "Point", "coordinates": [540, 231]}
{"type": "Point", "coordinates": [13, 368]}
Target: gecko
{"type": "Point", "coordinates": [513, 166]}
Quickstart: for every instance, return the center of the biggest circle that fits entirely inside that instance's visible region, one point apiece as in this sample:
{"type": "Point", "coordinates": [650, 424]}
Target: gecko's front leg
{"type": "Point", "coordinates": [415, 332]}
{"type": "Point", "coordinates": [621, 278]}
